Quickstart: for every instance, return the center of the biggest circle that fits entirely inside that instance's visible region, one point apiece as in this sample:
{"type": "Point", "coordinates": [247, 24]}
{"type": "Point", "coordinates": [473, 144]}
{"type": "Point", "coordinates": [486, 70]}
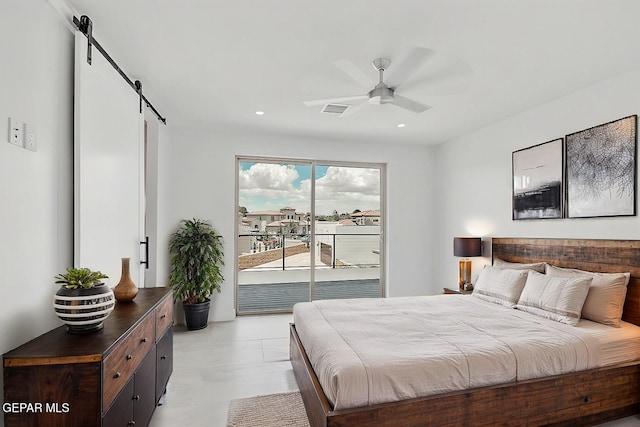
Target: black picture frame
{"type": "Point", "coordinates": [537, 181]}
{"type": "Point", "coordinates": [600, 174]}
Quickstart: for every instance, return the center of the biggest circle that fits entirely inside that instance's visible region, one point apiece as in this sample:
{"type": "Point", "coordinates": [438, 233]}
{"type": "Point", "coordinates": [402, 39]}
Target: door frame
{"type": "Point", "coordinates": [382, 167]}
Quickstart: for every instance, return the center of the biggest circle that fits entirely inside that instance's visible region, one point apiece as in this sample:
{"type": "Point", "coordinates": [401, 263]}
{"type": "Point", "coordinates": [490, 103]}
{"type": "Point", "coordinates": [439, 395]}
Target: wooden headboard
{"type": "Point", "coordinates": [603, 256]}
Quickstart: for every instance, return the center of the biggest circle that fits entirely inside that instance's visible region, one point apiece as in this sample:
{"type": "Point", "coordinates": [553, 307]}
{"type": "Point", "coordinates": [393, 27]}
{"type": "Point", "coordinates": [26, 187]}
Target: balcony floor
{"type": "Point", "coordinates": [263, 297]}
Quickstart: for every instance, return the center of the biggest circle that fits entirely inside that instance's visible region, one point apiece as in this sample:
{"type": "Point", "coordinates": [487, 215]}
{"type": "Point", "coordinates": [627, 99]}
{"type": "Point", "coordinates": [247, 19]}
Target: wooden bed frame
{"type": "Point", "coordinates": [581, 398]}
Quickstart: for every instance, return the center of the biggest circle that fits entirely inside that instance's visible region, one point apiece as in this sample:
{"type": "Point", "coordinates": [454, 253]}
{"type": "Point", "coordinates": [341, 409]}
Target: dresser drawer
{"type": "Point", "coordinates": [124, 360]}
{"type": "Point", "coordinates": [164, 316]}
{"type": "Point", "coordinates": [164, 362]}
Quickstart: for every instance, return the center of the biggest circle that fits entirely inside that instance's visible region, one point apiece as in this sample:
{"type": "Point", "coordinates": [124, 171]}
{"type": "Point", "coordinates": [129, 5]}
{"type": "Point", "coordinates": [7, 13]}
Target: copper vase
{"type": "Point", "coordinates": [126, 290]}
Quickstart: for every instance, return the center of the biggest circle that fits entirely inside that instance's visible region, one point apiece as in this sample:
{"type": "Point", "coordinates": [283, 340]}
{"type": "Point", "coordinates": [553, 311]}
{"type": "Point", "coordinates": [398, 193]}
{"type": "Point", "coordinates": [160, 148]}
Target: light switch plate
{"type": "Point", "coordinates": [16, 132]}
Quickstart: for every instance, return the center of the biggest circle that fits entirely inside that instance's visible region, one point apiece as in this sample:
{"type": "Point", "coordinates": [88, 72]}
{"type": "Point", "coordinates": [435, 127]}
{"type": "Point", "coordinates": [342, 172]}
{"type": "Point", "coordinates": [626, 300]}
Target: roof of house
{"type": "Point", "coordinates": [274, 212]}
{"type": "Point", "coordinates": [256, 213]}
{"type": "Point", "coordinates": [365, 213]}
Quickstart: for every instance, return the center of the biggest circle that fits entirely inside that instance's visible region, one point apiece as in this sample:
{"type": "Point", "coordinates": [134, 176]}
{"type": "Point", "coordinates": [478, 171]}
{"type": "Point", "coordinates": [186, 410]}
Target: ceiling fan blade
{"type": "Point", "coordinates": [350, 69]}
{"type": "Point", "coordinates": [409, 104]}
{"type": "Point", "coordinates": [444, 75]}
{"type": "Point", "coordinates": [409, 65]}
{"type": "Point", "coordinates": [335, 100]}
{"type": "Point", "coordinates": [354, 109]}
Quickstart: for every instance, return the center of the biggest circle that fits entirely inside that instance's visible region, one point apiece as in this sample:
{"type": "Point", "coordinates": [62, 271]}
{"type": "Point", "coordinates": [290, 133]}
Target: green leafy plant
{"type": "Point", "coordinates": [76, 278]}
{"type": "Point", "coordinates": [197, 261]}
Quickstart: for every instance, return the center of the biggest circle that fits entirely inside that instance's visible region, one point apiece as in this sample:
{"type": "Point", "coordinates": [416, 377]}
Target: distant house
{"type": "Point", "coordinates": [366, 217]}
{"type": "Point", "coordinates": [245, 225]}
{"type": "Point", "coordinates": [284, 220]}
{"type": "Point", "coordinates": [346, 222]}
{"type": "Point", "coordinates": [288, 220]}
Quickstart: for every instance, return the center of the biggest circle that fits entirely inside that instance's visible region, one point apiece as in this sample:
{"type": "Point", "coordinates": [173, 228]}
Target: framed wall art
{"type": "Point", "coordinates": [537, 181]}
{"type": "Point", "coordinates": [601, 170]}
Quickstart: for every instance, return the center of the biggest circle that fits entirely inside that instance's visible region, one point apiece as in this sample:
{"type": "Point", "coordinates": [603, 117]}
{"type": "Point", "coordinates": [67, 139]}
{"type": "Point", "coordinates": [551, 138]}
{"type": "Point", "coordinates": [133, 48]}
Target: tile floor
{"type": "Point", "coordinates": [242, 358]}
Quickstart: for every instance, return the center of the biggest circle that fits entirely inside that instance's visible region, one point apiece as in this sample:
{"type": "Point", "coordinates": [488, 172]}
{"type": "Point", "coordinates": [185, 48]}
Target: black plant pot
{"type": "Point", "coordinates": [196, 315]}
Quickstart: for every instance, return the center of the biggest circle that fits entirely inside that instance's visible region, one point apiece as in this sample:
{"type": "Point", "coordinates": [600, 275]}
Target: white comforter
{"type": "Point", "coordinates": [368, 351]}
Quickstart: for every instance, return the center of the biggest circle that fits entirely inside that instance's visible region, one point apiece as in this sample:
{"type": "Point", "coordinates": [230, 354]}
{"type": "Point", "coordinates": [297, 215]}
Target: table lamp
{"type": "Point", "coordinates": [466, 247]}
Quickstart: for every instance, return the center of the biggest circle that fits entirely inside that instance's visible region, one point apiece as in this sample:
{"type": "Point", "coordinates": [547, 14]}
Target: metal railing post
{"type": "Point", "coordinates": [283, 252]}
{"type": "Point", "coordinates": [333, 252]}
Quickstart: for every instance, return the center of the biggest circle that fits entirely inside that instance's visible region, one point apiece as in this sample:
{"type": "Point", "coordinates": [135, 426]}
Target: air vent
{"type": "Point", "coordinates": [335, 108]}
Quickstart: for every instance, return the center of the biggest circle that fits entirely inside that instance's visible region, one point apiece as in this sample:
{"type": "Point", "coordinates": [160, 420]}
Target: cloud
{"type": "Point", "coordinates": [346, 189]}
{"type": "Point", "coordinates": [267, 186]}
{"type": "Point", "coordinates": [267, 176]}
{"type": "Point", "coordinates": [362, 181]}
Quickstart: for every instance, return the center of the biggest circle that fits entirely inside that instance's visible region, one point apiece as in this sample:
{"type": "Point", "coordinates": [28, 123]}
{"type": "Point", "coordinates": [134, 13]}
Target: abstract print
{"type": "Point", "coordinates": [537, 181]}
{"type": "Point", "coordinates": [601, 170]}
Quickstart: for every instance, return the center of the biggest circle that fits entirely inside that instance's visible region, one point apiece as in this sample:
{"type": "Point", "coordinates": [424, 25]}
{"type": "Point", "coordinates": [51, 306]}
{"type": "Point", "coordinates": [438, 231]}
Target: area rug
{"type": "Point", "coordinates": [272, 410]}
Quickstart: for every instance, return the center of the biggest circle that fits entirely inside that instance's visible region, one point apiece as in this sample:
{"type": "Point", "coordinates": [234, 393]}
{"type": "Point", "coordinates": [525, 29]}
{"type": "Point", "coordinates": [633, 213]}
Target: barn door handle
{"type": "Point", "coordinates": [146, 253]}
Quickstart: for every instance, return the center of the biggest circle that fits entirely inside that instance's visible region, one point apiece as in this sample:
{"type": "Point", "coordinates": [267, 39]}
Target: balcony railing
{"type": "Point", "coordinates": [333, 250]}
{"type": "Point", "coordinates": [275, 269]}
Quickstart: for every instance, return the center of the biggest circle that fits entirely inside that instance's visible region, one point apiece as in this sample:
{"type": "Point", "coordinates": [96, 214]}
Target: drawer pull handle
{"type": "Point", "coordinates": [163, 357]}
{"type": "Point", "coordinates": [163, 316]}
{"type": "Point", "coordinates": [117, 375]}
{"type": "Point", "coordinates": [131, 423]}
{"type": "Point", "coordinates": [136, 397]}
{"type": "Point", "coordinates": [143, 340]}
{"type": "Point", "coordinates": [129, 357]}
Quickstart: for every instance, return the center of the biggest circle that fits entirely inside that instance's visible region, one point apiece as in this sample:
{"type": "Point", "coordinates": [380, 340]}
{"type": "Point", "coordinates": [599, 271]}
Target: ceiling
{"type": "Point", "coordinates": [213, 63]}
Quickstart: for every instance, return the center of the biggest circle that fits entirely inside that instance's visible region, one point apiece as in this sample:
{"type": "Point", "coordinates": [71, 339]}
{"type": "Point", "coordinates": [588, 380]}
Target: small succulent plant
{"type": "Point", "coordinates": [76, 278]}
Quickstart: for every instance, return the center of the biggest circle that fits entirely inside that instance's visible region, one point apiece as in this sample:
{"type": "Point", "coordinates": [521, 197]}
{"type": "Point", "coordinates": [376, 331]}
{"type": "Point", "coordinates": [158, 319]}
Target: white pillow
{"type": "Point", "coordinates": [556, 298]}
{"type": "Point", "coordinates": [535, 266]}
{"type": "Point", "coordinates": [606, 296]}
{"type": "Point", "coordinates": [500, 285]}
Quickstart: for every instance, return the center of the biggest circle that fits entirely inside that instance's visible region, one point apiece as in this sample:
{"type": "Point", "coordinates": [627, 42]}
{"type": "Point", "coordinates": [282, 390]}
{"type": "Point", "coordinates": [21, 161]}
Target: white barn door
{"type": "Point", "coordinates": [108, 168]}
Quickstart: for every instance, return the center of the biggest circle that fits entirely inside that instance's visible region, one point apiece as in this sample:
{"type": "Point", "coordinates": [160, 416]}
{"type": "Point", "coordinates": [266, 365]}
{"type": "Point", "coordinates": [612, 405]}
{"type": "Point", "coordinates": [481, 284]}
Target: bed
{"type": "Point", "coordinates": [583, 396]}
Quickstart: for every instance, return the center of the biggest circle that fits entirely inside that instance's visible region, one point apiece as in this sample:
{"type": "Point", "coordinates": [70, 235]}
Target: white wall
{"type": "Point", "coordinates": [202, 168]}
{"type": "Point", "coordinates": [474, 173]}
{"type": "Point", "coordinates": [460, 188]}
{"type": "Point", "coordinates": [36, 190]}
{"type": "Point", "coordinates": [349, 248]}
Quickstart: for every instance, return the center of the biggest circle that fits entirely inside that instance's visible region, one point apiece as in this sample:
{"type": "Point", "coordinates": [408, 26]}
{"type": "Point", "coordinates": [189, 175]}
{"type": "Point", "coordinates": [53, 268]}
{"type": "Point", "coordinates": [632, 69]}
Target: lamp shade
{"type": "Point", "coordinates": [467, 246]}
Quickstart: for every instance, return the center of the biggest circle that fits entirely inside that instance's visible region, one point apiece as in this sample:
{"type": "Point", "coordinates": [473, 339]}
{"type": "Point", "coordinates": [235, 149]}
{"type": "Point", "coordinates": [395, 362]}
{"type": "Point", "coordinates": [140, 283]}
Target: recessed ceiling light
{"type": "Point", "coordinates": [400, 125]}
{"type": "Point", "coordinates": [260, 113]}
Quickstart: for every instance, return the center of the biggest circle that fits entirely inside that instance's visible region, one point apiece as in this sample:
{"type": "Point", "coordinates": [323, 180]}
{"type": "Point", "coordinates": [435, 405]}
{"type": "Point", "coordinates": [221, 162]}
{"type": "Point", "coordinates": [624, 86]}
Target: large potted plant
{"type": "Point", "coordinates": [196, 269]}
{"type": "Point", "coordinates": [83, 300]}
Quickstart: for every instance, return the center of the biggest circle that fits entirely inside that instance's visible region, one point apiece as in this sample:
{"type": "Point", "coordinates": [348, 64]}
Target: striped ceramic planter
{"type": "Point", "coordinates": [84, 310]}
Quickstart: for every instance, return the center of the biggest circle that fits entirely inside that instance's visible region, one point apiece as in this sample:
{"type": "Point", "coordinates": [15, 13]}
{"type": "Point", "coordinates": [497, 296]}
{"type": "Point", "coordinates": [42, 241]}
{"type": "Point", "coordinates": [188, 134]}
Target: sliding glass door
{"type": "Point", "coordinates": [307, 230]}
{"type": "Point", "coordinates": [347, 232]}
{"type": "Point", "coordinates": [274, 210]}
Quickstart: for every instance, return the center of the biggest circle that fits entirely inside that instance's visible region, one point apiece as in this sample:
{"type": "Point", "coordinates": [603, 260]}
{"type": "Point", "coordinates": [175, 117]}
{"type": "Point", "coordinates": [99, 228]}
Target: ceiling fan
{"type": "Point", "coordinates": [383, 92]}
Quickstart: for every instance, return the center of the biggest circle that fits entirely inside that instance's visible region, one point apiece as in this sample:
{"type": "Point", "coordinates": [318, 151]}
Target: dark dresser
{"type": "Point", "coordinates": [113, 377]}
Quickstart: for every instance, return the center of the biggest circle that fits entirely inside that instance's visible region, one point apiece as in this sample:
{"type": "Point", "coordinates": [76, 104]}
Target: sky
{"type": "Point", "coordinates": [271, 186]}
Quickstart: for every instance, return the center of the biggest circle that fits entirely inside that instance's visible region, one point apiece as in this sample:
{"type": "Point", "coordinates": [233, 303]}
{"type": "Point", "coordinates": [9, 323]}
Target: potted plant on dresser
{"type": "Point", "coordinates": [83, 301]}
{"type": "Point", "coordinates": [196, 269]}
